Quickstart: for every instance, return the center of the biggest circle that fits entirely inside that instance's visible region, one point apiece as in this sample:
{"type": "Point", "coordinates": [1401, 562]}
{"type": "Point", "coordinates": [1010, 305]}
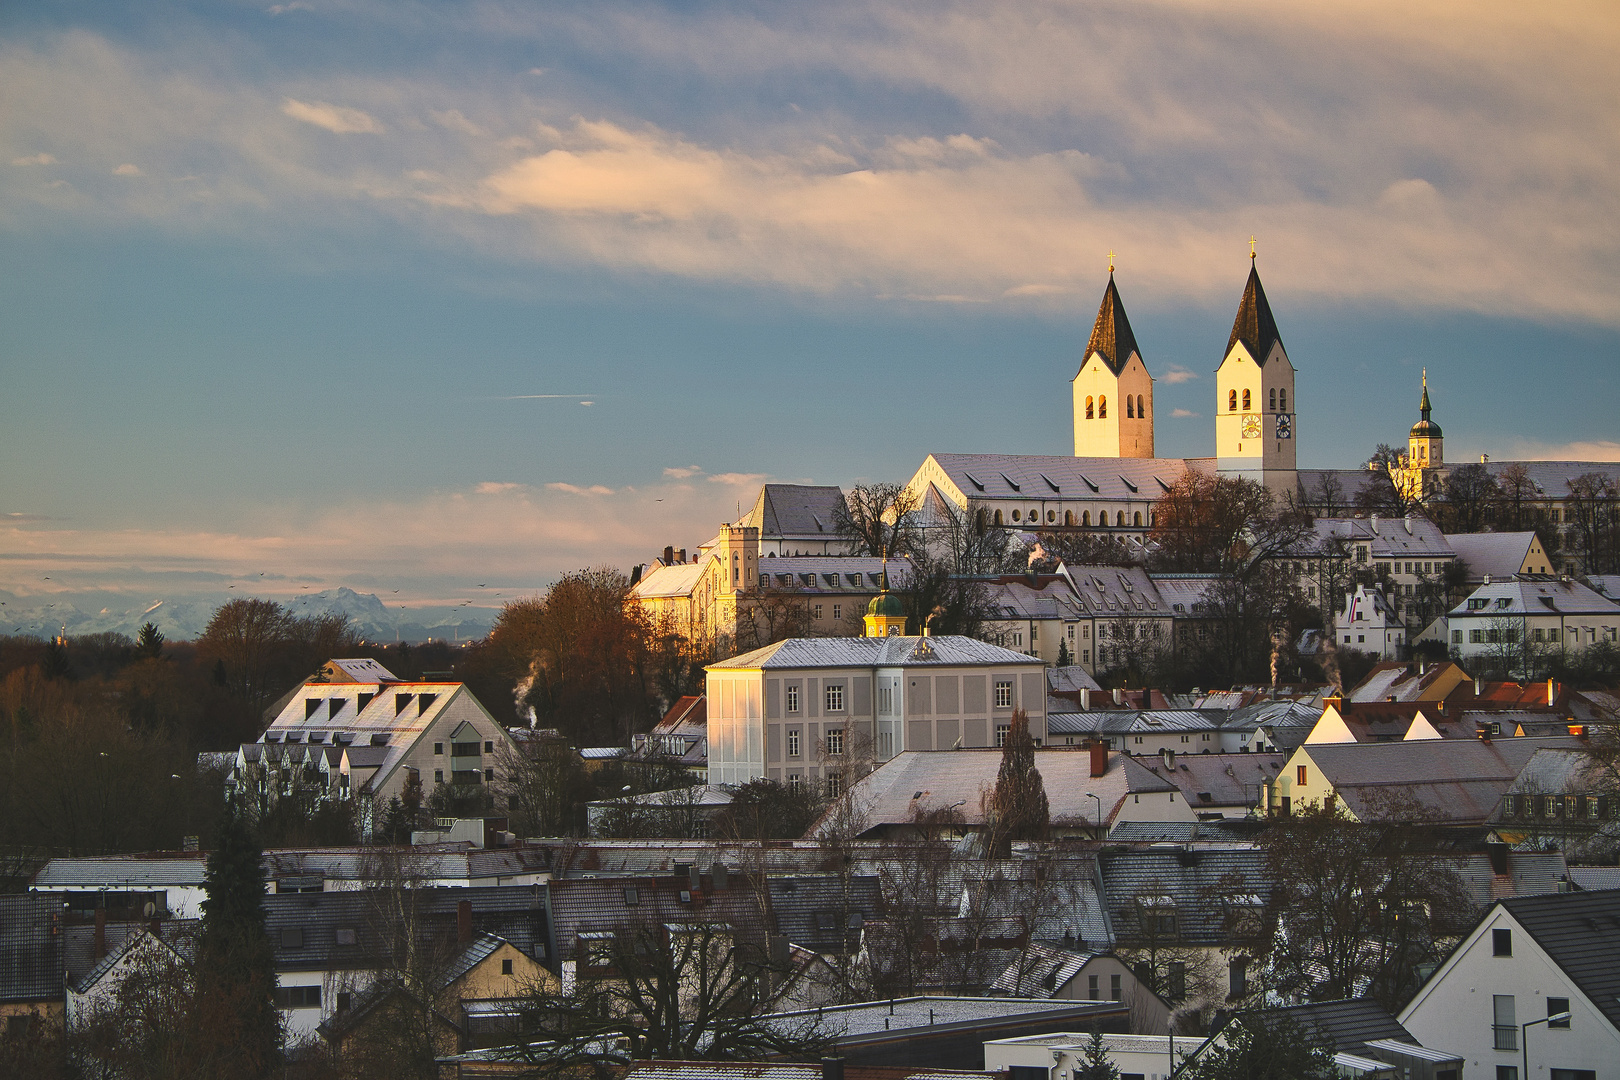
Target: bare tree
{"type": "Point", "coordinates": [1468, 495]}
{"type": "Point", "coordinates": [1594, 511]}
{"type": "Point", "coordinates": [879, 520]}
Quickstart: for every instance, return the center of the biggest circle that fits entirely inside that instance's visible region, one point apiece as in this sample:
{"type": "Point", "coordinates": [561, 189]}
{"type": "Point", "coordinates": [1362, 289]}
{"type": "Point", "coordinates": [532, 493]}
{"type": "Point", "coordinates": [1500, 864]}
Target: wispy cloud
{"type": "Point", "coordinates": [575, 489]}
{"type": "Point", "coordinates": [35, 159]}
{"type": "Point", "coordinates": [492, 487]}
{"type": "Point", "coordinates": [1584, 450]}
{"type": "Point", "coordinates": [295, 5]}
{"type": "Point", "coordinates": [738, 479]}
{"type": "Point", "coordinates": [1177, 374]}
{"type": "Point", "coordinates": [543, 397]}
{"type": "Point", "coordinates": [338, 119]}
{"type": "Point", "coordinates": [127, 169]}
{"type": "Point", "coordinates": [682, 472]}
{"type": "Point", "coordinates": [1182, 414]}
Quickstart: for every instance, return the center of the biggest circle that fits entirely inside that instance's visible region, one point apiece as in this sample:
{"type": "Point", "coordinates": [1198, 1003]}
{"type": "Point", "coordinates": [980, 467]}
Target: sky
{"type": "Point", "coordinates": [427, 297]}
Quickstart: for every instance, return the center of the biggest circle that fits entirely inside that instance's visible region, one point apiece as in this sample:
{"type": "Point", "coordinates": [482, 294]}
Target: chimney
{"type": "Point", "coordinates": [101, 932]}
{"type": "Point", "coordinates": [1099, 757]}
{"type": "Point", "coordinates": [1552, 695]}
{"type": "Point", "coordinates": [832, 1069]}
{"type": "Point", "coordinates": [464, 922]}
{"type": "Point", "coordinates": [156, 926]}
{"type": "Point", "coordinates": [718, 873]}
{"type": "Point", "coordinates": [1479, 686]}
{"type": "Point", "coordinates": [680, 556]}
{"type": "Point", "coordinates": [669, 556]}
{"type": "Point", "coordinates": [1375, 524]}
{"type": "Point", "coordinates": [1085, 699]}
{"type": "Point", "coordinates": [1119, 696]}
{"type": "Point", "coordinates": [1168, 756]}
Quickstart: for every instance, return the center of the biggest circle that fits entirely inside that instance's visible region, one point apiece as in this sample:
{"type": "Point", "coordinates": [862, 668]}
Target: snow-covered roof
{"type": "Point", "coordinates": [1534, 594]}
{"type": "Point", "coordinates": [873, 652]}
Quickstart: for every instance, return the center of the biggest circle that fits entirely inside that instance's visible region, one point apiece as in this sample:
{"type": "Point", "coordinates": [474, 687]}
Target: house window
{"type": "Point", "coordinates": [1301, 776]}
{"type": "Point", "coordinates": [1456, 637]}
{"type": "Point", "coordinates": [438, 749]}
{"type": "Point", "coordinates": [489, 776]}
{"type": "Point", "coordinates": [1507, 1072]}
{"type": "Point", "coordinates": [835, 697]}
{"type": "Point", "coordinates": [816, 611]}
{"type": "Point", "coordinates": [1115, 991]}
{"type": "Point", "coordinates": [838, 611]}
{"type": "Point", "coordinates": [835, 742]}
{"type": "Point", "coordinates": [597, 950]}
{"type": "Point", "coordinates": [1002, 731]}
{"type": "Point", "coordinates": [835, 785]}
{"type": "Point", "coordinates": [1092, 988]}
{"type": "Point", "coordinates": [299, 997]}
{"type": "Point", "coordinates": [438, 776]}
{"type": "Point", "coordinates": [1237, 977]}
{"type": "Point", "coordinates": [793, 742]}
{"type": "Point", "coordinates": [1556, 1005]}
{"type": "Point", "coordinates": [489, 747]}
{"type": "Point", "coordinates": [1501, 942]}
{"type": "Point", "coordinates": [506, 967]}
{"type": "Point", "coordinates": [1177, 980]}
{"type": "Point", "coordinates": [1004, 698]}
{"type": "Point", "coordinates": [795, 781]}
{"type": "Point", "coordinates": [792, 699]}
{"type": "Point", "coordinates": [1504, 1027]}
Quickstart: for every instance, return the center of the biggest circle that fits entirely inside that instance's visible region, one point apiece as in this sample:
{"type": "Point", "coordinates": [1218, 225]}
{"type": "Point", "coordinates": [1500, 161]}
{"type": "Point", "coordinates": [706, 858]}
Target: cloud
{"type": "Point", "coordinates": [738, 479]}
{"type": "Point", "coordinates": [452, 119]}
{"type": "Point", "coordinates": [334, 118]}
{"type": "Point", "coordinates": [1182, 414]}
{"type": "Point", "coordinates": [426, 547]}
{"type": "Point", "coordinates": [295, 5]}
{"type": "Point", "coordinates": [542, 397]}
{"type": "Point", "coordinates": [575, 489]}
{"type": "Point", "coordinates": [127, 170]}
{"type": "Point", "coordinates": [35, 159]}
{"type": "Point", "coordinates": [1580, 450]}
{"type": "Point", "coordinates": [682, 472]}
{"type": "Point", "coordinates": [1175, 373]}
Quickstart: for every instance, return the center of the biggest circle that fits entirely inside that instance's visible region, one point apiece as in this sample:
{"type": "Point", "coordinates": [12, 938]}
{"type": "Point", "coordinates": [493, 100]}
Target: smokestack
{"type": "Point", "coordinates": [464, 922]}
{"type": "Point", "coordinates": [1099, 757]}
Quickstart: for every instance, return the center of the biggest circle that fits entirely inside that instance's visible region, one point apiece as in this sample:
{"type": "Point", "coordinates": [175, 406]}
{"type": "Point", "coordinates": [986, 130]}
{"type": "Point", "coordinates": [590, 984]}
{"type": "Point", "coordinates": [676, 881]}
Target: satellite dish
{"type": "Point", "coordinates": [150, 909]}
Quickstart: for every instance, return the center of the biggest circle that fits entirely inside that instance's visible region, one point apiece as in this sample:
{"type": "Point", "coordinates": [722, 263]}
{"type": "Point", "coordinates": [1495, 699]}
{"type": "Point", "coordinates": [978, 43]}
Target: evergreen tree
{"type": "Point", "coordinates": [149, 643]}
{"type": "Point", "coordinates": [235, 965]}
{"type": "Point", "coordinates": [1097, 1065]}
{"type": "Point", "coordinates": [1258, 1047]}
{"type": "Point", "coordinates": [1064, 659]}
{"type": "Point", "coordinates": [1018, 808]}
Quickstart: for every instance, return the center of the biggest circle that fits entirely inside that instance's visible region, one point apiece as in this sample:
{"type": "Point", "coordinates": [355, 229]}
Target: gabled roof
{"type": "Point", "coordinates": [1026, 477]}
{"type": "Point", "coordinates": [1350, 1023]}
{"type": "Point", "coordinates": [1580, 932]}
{"type": "Point", "coordinates": [1111, 336]}
{"type": "Point", "coordinates": [1533, 594]}
{"type": "Point", "coordinates": [795, 510]}
{"type": "Point", "coordinates": [1042, 973]}
{"type": "Point", "coordinates": [1499, 554]}
{"type": "Point", "coordinates": [1202, 882]}
{"type": "Point", "coordinates": [824, 912]}
{"type": "Point", "coordinates": [1254, 326]}
{"type": "Point", "coordinates": [873, 652]}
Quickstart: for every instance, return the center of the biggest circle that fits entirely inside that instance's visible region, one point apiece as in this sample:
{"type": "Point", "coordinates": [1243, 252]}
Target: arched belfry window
{"type": "Point", "coordinates": [1246, 405]}
{"type": "Point", "coordinates": [1130, 408]}
{"type": "Point", "coordinates": [1273, 400]}
{"type": "Point", "coordinates": [1141, 409]}
{"type": "Point", "coordinates": [1231, 401]}
{"type": "Point", "coordinates": [1102, 406]}
{"type": "Point", "coordinates": [1282, 400]}
{"type": "Point", "coordinates": [1089, 408]}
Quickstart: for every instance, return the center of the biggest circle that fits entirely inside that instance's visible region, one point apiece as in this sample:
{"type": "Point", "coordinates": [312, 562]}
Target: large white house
{"type": "Point", "coordinates": [1530, 959]}
{"type": "Point", "coordinates": [812, 710]}
{"type": "Point", "coordinates": [1530, 617]}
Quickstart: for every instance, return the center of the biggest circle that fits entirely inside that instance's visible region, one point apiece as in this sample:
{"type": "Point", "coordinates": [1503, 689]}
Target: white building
{"type": "Point", "coordinates": [1369, 624]}
{"type": "Point", "coordinates": [1530, 959]}
{"type": "Point", "coordinates": [1530, 617]}
{"type": "Point", "coordinates": [814, 710]}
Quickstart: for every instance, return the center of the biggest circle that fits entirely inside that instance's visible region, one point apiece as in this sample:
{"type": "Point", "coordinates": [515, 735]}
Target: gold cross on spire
{"type": "Point", "coordinates": [1110, 260]}
{"type": "Point", "coordinates": [1251, 248]}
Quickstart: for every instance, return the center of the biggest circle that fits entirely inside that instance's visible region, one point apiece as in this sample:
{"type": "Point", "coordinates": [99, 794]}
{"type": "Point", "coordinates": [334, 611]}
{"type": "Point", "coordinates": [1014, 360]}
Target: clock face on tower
{"type": "Point", "coordinates": [1251, 425]}
{"type": "Point", "coordinates": [1285, 426]}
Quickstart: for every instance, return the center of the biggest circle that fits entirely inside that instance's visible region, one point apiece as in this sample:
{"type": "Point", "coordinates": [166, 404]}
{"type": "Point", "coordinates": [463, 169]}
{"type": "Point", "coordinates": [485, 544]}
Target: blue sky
{"type": "Point", "coordinates": [289, 288]}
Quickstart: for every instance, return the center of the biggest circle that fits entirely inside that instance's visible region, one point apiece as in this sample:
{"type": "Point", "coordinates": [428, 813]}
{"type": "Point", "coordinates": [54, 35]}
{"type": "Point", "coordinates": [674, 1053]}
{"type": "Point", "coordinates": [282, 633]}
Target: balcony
{"type": "Point", "coordinates": [1506, 1036]}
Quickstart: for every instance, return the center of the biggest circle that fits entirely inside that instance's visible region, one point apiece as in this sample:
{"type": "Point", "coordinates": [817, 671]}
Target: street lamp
{"type": "Point", "coordinates": [1098, 801]}
{"type": "Point", "coordinates": [1524, 1036]}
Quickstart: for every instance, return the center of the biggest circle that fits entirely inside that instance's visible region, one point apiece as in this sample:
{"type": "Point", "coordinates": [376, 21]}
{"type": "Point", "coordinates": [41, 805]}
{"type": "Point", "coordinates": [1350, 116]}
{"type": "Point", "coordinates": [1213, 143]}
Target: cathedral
{"type": "Point", "coordinates": [1114, 479]}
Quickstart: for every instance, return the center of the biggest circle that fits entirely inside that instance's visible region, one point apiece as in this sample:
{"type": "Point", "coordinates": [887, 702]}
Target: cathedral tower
{"type": "Point", "coordinates": [1254, 396]}
{"type": "Point", "coordinates": [1113, 392]}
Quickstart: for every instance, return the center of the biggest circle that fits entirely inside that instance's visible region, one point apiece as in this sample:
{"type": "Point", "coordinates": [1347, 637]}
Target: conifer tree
{"type": "Point", "coordinates": [1097, 1065]}
{"type": "Point", "coordinates": [235, 966]}
{"type": "Point", "coordinates": [1017, 807]}
{"type": "Point", "coordinates": [149, 643]}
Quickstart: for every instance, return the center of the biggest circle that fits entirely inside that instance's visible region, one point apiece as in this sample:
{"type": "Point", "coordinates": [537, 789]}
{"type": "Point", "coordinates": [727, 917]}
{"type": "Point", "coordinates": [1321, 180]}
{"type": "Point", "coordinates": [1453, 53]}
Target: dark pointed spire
{"type": "Point", "coordinates": [1254, 325]}
{"type": "Point", "coordinates": [1424, 408]}
{"type": "Point", "coordinates": [1111, 336]}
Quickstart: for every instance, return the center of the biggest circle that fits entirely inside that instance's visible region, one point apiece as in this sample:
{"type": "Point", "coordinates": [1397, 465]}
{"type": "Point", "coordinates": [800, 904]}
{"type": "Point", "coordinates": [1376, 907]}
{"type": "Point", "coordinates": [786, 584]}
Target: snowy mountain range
{"type": "Point", "coordinates": [183, 618]}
